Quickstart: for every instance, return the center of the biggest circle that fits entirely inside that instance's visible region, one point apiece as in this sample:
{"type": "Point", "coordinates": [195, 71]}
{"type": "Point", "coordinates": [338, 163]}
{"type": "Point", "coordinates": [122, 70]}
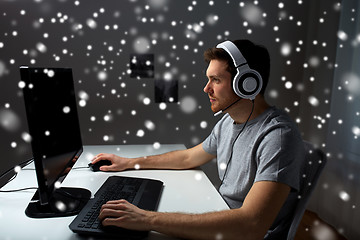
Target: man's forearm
{"type": "Point", "coordinates": [214, 225]}
{"type": "Point", "coordinates": [169, 160]}
{"type": "Point", "coordinates": [227, 224]}
{"type": "Point", "coordinates": [180, 159]}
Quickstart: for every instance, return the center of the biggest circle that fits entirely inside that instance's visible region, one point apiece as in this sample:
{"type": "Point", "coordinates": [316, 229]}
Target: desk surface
{"type": "Point", "coordinates": [187, 191]}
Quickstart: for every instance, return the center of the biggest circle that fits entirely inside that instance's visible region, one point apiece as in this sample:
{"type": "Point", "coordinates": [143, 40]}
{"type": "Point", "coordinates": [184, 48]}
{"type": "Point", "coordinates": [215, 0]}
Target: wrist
{"type": "Point", "coordinates": [151, 220]}
{"type": "Point", "coordinates": [134, 163]}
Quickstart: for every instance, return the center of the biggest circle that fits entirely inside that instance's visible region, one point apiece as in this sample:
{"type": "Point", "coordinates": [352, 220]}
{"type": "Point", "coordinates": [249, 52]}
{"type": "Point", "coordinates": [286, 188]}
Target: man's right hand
{"type": "Point", "coordinates": [117, 163]}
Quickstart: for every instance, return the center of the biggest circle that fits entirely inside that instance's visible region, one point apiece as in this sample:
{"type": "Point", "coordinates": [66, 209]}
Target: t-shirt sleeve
{"type": "Point", "coordinates": [210, 143]}
{"type": "Point", "coordinates": [279, 157]}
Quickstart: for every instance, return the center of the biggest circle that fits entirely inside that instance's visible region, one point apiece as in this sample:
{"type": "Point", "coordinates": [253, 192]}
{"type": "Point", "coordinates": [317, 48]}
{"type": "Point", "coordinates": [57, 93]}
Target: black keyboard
{"type": "Point", "coordinates": [143, 193]}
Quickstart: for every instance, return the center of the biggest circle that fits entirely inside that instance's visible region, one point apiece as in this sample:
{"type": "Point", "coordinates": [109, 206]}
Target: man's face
{"type": "Point", "coordinates": [219, 87]}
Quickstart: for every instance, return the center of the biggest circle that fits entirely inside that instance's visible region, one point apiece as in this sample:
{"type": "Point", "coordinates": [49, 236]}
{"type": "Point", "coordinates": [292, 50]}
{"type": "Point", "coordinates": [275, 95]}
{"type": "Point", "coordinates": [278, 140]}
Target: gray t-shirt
{"type": "Point", "coordinates": [268, 149]}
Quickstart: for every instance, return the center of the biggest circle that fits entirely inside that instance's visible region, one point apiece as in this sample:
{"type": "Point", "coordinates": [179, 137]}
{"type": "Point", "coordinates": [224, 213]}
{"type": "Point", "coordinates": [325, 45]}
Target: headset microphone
{"type": "Point", "coordinates": [218, 113]}
{"type": "Point", "coordinates": [221, 111]}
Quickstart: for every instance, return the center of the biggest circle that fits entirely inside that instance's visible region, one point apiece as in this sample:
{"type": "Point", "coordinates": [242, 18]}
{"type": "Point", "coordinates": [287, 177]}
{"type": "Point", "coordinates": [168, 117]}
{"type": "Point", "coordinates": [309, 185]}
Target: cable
{"type": "Point", "coordinates": [76, 168]}
{"type": "Point", "coordinates": [33, 169]}
{"type": "Point", "coordinates": [18, 190]}
{"type": "Point", "coordinates": [233, 143]}
{"type": "Point", "coordinates": [24, 164]}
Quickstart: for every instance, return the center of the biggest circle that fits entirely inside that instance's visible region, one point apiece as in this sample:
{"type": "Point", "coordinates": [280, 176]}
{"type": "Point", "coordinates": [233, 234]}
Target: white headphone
{"type": "Point", "coordinates": [247, 82]}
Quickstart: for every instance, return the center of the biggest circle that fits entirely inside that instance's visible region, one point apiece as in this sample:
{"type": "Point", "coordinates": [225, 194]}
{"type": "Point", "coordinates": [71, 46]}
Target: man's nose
{"type": "Point", "coordinates": [207, 88]}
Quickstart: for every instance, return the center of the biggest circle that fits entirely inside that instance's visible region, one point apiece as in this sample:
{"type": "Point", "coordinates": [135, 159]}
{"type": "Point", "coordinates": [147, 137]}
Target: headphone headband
{"type": "Point", "coordinates": [234, 53]}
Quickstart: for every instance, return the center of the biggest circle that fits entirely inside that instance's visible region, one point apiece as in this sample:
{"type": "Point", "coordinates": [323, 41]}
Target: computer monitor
{"type": "Point", "coordinates": [54, 128]}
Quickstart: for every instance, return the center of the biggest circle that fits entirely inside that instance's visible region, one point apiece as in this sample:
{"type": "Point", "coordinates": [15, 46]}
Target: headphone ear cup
{"type": "Point", "coordinates": [247, 83]}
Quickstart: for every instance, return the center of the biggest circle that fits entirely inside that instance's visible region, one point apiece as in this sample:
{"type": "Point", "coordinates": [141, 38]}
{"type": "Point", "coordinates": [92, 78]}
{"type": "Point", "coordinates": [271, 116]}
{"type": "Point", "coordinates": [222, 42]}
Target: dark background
{"type": "Point", "coordinates": [158, 97]}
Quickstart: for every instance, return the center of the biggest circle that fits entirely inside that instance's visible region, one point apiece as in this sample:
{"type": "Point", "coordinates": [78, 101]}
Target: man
{"type": "Point", "coordinates": [259, 146]}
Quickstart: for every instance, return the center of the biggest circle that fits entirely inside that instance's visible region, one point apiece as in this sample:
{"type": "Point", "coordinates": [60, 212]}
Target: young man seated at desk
{"type": "Point", "coordinates": [259, 145]}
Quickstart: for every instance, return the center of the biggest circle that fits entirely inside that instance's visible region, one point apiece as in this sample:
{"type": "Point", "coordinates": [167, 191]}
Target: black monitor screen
{"type": "Point", "coordinates": [53, 124]}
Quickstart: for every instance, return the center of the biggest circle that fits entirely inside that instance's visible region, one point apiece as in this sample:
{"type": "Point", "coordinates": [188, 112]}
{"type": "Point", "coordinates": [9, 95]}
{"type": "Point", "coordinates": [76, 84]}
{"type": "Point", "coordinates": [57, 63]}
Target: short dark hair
{"type": "Point", "coordinates": [257, 57]}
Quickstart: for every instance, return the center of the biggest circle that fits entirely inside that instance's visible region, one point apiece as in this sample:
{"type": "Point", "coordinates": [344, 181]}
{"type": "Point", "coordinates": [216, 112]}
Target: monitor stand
{"type": "Point", "coordinates": [63, 202]}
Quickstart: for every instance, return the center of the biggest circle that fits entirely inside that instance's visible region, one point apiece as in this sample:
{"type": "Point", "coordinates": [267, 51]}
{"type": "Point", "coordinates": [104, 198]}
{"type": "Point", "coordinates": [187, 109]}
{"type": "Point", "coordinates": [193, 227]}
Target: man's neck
{"type": "Point", "coordinates": [240, 111]}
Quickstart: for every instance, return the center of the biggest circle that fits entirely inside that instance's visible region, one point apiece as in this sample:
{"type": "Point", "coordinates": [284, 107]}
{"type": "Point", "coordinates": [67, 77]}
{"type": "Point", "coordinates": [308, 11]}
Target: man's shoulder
{"type": "Point", "coordinates": [275, 121]}
{"type": "Point", "coordinates": [276, 116]}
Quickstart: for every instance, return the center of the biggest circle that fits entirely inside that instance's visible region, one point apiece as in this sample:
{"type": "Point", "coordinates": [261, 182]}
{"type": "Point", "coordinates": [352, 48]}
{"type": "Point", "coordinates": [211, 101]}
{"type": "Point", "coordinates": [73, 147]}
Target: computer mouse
{"type": "Point", "coordinates": [96, 166]}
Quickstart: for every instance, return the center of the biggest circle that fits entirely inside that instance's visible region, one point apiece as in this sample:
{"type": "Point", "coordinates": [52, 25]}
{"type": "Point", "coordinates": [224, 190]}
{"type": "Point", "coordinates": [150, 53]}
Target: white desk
{"type": "Point", "coordinates": [184, 191]}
